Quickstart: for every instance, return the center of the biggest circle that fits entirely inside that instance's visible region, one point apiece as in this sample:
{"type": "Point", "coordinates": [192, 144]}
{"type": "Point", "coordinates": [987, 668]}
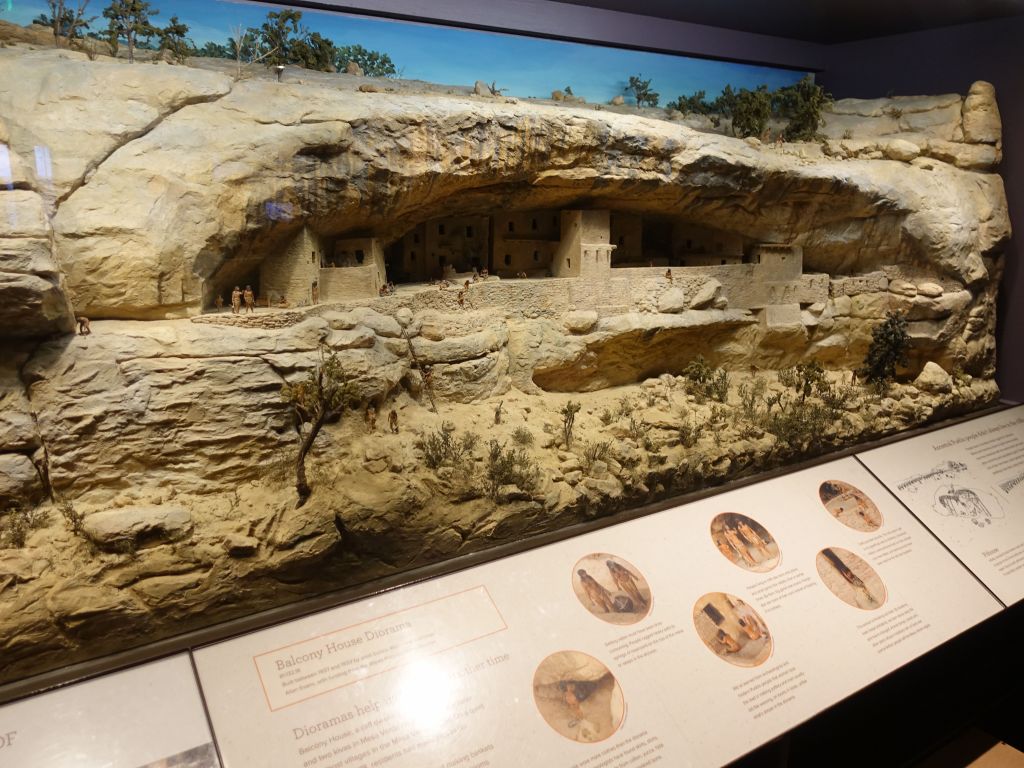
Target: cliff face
{"type": "Point", "coordinates": [135, 193]}
{"type": "Point", "coordinates": [167, 172]}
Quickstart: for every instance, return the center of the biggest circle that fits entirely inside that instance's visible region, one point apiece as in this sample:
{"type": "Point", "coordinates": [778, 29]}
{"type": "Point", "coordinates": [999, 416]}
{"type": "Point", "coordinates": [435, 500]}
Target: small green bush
{"type": "Point", "coordinates": [522, 436]}
{"type": "Point", "coordinates": [17, 523]}
{"type": "Point", "coordinates": [889, 345]}
{"type": "Point", "coordinates": [512, 466]}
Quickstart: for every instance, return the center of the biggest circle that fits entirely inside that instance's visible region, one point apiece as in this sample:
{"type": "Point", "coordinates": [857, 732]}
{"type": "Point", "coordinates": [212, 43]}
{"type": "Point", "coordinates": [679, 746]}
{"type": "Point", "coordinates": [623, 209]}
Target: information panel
{"type": "Point", "coordinates": [146, 717]}
{"type": "Point", "coordinates": [966, 483]}
{"type": "Point", "coordinates": [688, 637]}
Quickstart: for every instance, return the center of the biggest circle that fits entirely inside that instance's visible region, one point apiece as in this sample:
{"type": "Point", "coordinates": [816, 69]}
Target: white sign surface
{"type": "Point", "coordinates": [146, 717]}
{"type": "Point", "coordinates": [688, 637]}
{"type": "Point", "coordinates": [966, 483]}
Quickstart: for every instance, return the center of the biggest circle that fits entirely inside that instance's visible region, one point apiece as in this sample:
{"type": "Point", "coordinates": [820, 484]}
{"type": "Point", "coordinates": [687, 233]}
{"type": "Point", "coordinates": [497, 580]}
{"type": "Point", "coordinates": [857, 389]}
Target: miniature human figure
{"type": "Point", "coordinates": [733, 538]}
{"type": "Point", "coordinates": [249, 298]}
{"type": "Point", "coordinates": [393, 421]}
{"type": "Point", "coordinates": [283, 303]}
{"type": "Point", "coordinates": [370, 417]}
{"type": "Point", "coordinates": [236, 300]}
{"type": "Point", "coordinates": [599, 596]}
{"type": "Point", "coordinates": [219, 302]}
{"type": "Point", "coordinates": [626, 581]}
{"type": "Point", "coordinates": [83, 325]}
{"type": "Point", "coordinates": [484, 274]}
{"type": "Point", "coordinates": [778, 140]}
{"type": "Point", "coordinates": [315, 292]}
{"type": "Point", "coordinates": [668, 275]}
{"type": "Point", "coordinates": [568, 689]}
{"type": "Point", "coordinates": [462, 297]}
{"type": "Point", "coordinates": [727, 641]}
{"type": "Point", "coordinates": [476, 274]}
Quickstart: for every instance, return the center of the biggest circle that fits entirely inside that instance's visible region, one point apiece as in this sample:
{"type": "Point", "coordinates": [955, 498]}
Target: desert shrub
{"type": "Point", "coordinates": [593, 452]}
{"type": "Point", "coordinates": [751, 393]}
{"type": "Point", "coordinates": [569, 411]}
{"type": "Point", "coordinates": [652, 399]}
{"type": "Point", "coordinates": [17, 523]}
{"type": "Point", "coordinates": [443, 448]}
{"type": "Point", "coordinates": [625, 407]}
{"type": "Point", "coordinates": [606, 417]}
{"type": "Point", "coordinates": [642, 92]}
{"type": "Point", "coordinates": [706, 382]}
{"type": "Point", "coordinates": [805, 378]}
{"type": "Point", "coordinates": [889, 344]}
{"type": "Point", "coordinates": [522, 436]}
{"type": "Point", "coordinates": [690, 432]}
{"type": "Point", "coordinates": [637, 429]}
{"type": "Point", "coordinates": [511, 466]}
{"type": "Point", "coordinates": [72, 516]}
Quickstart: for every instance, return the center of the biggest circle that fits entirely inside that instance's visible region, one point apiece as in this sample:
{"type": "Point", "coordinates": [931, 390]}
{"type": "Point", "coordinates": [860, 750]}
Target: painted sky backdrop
{"type": "Point", "coordinates": [526, 66]}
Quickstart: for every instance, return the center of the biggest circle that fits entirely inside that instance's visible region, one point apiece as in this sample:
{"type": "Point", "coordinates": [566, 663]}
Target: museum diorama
{"type": "Point", "coordinates": [277, 320]}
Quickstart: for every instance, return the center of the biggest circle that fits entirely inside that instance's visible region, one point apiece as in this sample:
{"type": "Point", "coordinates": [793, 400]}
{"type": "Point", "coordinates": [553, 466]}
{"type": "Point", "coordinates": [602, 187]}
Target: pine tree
{"type": "Point", "coordinates": [129, 19]}
{"type": "Point", "coordinates": [889, 344]}
{"type": "Point", "coordinates": [172, 38]}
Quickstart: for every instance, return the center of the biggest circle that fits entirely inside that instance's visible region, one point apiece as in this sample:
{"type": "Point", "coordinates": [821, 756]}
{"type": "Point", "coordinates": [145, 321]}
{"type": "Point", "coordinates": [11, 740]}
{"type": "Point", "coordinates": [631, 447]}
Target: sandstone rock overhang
{"type": "Point", "coordinates": [161, 196]}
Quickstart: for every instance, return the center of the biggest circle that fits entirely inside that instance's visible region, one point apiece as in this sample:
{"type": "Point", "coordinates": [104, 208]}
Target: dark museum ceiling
{"type": "Point", "coordinates": [819, 21]}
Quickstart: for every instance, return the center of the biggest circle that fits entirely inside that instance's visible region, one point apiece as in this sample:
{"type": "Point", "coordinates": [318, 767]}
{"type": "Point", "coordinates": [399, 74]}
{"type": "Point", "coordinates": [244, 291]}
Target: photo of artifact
{"type": "Point", "coordinates": [850, 506]}
{"type": "Point", "coordinates": [288, 305]}
{"type": "Point", "coordinates": [850, 579]}
{"type": "Point", "coordinates": [611, 588]}
{"type": "Point", "coordinates": [204, 756]}
{"type": "Point", "coordinates": [578, 697]}
{"type": "Point", "coordinates": [732, 630]}
{"type": "Point", "coordinates": [745, 542]}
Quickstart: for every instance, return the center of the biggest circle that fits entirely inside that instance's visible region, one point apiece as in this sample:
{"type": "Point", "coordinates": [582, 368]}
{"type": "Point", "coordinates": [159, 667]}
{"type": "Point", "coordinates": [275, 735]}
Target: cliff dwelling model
{"type": "Point", "coordinates": [476, 318]}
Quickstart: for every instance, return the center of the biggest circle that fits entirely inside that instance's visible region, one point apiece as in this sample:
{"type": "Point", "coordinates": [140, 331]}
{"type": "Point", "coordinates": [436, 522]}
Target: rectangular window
{"type": "Point", "coordinates": [533, 225]}
{"type": "Point", "coordinates": [440, 229]}
{"type": "Point", "coordinates": [469, 231]}
{"type": "Point", "coordinates": [508, 259]}
{"type": "Point", "coordinates": [511, 226]}
{"type": "Point", "coordinates": [416, 238]}
{"type": "Point", "coordinates": [536, 255]}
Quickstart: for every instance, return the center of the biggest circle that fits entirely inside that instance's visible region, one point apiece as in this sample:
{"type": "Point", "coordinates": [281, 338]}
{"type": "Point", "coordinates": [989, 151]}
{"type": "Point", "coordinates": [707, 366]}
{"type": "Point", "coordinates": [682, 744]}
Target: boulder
{"type": "Point", "coordinates": [933, 378]}
{"type": "Point", "coordinates": [356, 338]}
{"type": "Point", "coordinates": [19, 480]}
{"type": "Point", "coordinates": [706, 294]}
{"type": "Point", "coordinates": [239, 545]}
{"type": "Point", "coordinates": [460, 348]}
{"type": "Point", "coordinates": [900, 149]}
{"type": "Point", "coordinates": [672, 301]}
{"type": "Point", "coordinates": [557, 95]}
{"type": "Point", "coordinates": [138, 525]}
{"type": "Point", "coordinates": [353, 68]}
{"type": "Point", "coordinates": [931, 290]}
{"type": "Point", "coordinates": [982, 123]}
{"type": "Point", "coordinates": [580, 321]}
{"type": "Point", "coordinates": [617, 101]}
{"type": "Point", "coordinates": [971, 157]}
{"type": "Point", "coordinates": [480, 88]}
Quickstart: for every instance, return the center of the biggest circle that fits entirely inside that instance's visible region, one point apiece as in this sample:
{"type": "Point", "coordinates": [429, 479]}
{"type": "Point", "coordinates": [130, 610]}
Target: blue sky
{"type": "Point", "coordinates": [525, 66]}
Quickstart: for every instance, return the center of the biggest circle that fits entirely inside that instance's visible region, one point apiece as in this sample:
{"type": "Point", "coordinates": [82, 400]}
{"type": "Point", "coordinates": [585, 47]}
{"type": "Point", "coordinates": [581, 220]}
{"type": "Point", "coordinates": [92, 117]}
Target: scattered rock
{"type": "Point", "coordinates": [238, 545]}
{"type": "Point", "coordinates": [369, 88]}
{"type": "Point", "coordinates": [706, 294]}
{"type": "Point", "coordinates": [933, 378]}
{"type": "Point", "coordinates": [672, 301]}
{"type": "Point", "coordinates": [580, 321]}
{"type": "Point", "coordinates": [931, 290]}
{"type": "Point", "coordinates": [480, 88]}
{"type": "Point", "coordinates": [138, 525]}
{"type": "Point", "coordinates": [617, 101]}
{"type": "Point", "coordinates": [900, 149]}
{"type": "Point", "coordinates": [558, 95]}
{"type": "Point", "coordinates": [19, 480]}
{"type": "Point", "coordinates": [353, 68]}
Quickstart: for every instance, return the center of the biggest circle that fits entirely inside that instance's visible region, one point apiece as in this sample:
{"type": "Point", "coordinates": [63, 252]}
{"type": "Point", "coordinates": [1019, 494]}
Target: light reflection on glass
{"type": "Point", "coordinates": [6, 174]}
{"type": "Point", "coordinates": [425, 694]}
{"type": "Point", "coordinates": [44, 164]}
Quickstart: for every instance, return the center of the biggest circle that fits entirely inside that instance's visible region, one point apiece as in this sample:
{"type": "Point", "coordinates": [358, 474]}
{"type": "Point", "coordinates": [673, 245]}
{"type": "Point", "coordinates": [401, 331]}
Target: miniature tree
{"type": "Point", "coordinates": [278, 35]}
{"type": "Point", "coordinates": [569, 411]}
{"type": "Point", "coordinates": [641, 90]}
{"type": "Point", "coordinates": [802, 105]}
{"type": "Point", "coordinates": [695, 104]}
{"type": "Point", "coordinates": [129, 19]}
{"type": "Point", "coordinates": [66, 22]}
{"type": "Point", "coordinates": [751, 111]}
{"type": "Point", "coordinates": [889, 344]}
{"type": "Point", "coordinates": [173, 40]}
{"type": "Point", "coordinates": [318, 399]}
{"type": "Point", "coordinates": [314, 51]}
{"type": "Point", "coordinates": [373, 63]}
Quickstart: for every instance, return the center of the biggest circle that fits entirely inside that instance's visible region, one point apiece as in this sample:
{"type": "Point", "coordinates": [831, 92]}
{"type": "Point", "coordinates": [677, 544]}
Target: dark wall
{"type": "Point", "coordinates": [948, 60]}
